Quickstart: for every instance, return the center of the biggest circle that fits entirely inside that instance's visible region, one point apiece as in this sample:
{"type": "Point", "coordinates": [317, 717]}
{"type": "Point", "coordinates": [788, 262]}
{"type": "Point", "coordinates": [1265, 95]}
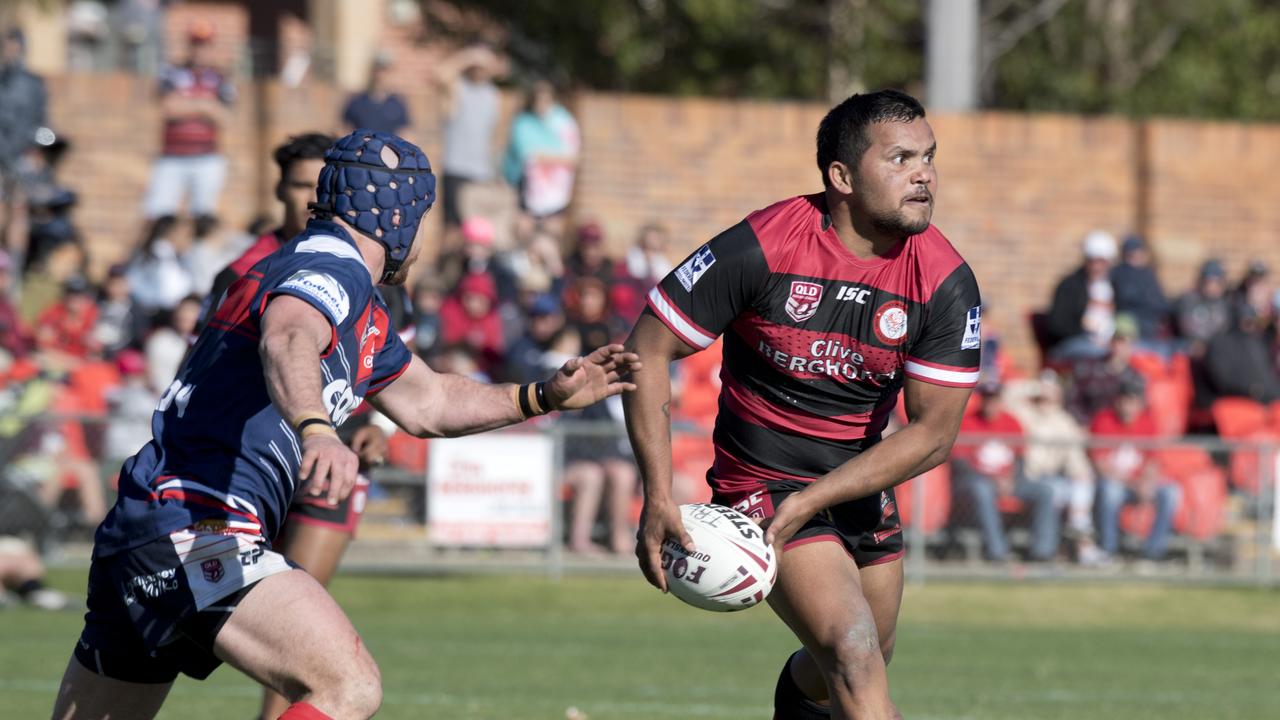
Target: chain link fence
{"type": "Point", "coordinates": [565, 496]}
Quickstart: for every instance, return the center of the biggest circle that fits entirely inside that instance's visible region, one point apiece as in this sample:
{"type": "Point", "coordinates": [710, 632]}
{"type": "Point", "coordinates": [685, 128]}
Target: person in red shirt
{"type": "Point", "coordinates": [1127, 474]}
{"type": "Point", "coordinates": [64, 331]}
{"type": "Point", "coordinates": [470, 317]}
{"type": "Point", "coordinates": [987, 462]}
{"type": "Point", "coordinates": [195, 99]}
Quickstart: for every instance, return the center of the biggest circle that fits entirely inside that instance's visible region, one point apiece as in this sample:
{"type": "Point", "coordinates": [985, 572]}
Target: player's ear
{"type": "Point", "coordinates": [280, 191]}
{"type": "Point", "coordinates": [840, 177]}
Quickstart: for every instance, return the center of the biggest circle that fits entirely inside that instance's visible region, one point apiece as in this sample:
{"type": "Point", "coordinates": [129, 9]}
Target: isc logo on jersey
{"type": "Point", "coordinates": [691, 270]}
{"type": "Point", "coordinates": [324, 289]}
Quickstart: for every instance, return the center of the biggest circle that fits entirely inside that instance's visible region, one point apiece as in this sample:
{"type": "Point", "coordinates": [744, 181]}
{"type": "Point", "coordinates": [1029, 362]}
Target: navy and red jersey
{"type": "Point", "coordinates": [220, 449]}
{"type": "Point", "coordinates": [817, 341]}
{"type": "Point", "coordinates": [193, 134]}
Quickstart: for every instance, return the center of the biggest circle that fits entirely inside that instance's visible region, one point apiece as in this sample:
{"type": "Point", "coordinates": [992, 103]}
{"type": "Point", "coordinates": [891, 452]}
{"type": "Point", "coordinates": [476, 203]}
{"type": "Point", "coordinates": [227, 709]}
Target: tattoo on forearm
{"type": "Point", "coordinates": [666, 409]}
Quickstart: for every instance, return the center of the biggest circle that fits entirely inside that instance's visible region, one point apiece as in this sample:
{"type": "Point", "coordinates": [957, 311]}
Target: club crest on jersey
{"type": "Point", "coordinates": [802, 303]}
{"type": "Point", "coordinates": [891, 322]}
{"type": "Point", "coordinates": [691, 270]}
{"type": "Point", "coordinates": [212, 570]}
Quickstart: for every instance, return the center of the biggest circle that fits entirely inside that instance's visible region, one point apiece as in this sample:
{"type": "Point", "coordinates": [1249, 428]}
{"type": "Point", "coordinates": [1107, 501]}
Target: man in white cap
{"type": "Point", "coordinates": [1082, 316]}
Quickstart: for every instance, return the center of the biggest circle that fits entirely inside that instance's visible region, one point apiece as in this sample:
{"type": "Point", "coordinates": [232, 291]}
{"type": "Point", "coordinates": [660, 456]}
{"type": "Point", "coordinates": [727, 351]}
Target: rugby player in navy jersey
{"type": "Point", "coordinates": [830, 304]}
{"type": "Point", "coordinates": [184, 576]}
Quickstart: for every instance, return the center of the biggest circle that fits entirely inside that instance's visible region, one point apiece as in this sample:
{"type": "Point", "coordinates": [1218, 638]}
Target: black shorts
{"type": "Point", "coordinates": [154, 610]}
{"type": "Point", "coordinates": [343, 517]}
{"type": "Point", "coordinates": [869, 529]}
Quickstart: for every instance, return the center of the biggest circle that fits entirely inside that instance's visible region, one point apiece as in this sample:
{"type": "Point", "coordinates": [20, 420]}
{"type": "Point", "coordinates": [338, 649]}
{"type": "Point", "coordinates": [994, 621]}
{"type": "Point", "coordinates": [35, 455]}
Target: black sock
{"type": "Point", "coordinates": [28, 587]}
{"type": "Point", "coordinates": [790, 702]}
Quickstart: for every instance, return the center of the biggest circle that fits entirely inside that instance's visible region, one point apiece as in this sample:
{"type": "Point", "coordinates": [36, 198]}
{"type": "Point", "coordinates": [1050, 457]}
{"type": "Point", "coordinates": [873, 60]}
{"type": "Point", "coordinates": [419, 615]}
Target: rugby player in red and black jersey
{"type": "Point", "coordinates": [830, 304]}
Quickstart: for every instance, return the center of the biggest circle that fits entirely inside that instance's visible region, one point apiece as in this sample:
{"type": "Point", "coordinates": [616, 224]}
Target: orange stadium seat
{"type": "Point", "coordinates": [937, 500]}
{"type": "Point", "coordinates": [407, 452]}
{"type": "Point", "coordinates": [1238, 417]}
{"type": "Point", "coordinates": [1246, 462]}
{"type": "Point", "coordinates": [1204, 490]}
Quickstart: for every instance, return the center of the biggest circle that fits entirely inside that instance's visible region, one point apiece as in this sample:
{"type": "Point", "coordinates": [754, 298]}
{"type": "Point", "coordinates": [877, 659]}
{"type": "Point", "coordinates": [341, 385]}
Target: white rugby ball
{"type": "Point", "coordinates": [732, 568]}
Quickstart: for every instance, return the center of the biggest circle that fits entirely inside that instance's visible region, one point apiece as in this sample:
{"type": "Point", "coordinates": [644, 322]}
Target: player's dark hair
{"type": "Point", "coordinates": [842, 134]}
{"type": "Point", "coordinates": [308, 146]}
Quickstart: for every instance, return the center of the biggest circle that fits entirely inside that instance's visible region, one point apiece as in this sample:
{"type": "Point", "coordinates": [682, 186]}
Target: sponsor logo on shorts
{"type": "Point", "coordinates": [972, 329]}
{"type": "Point", "coordinates": [802, 303]}
{"type": "Point", "coordinates": [251, 557]}
{"type": "Point", "coordinates": [210, 526]}
{"type": "Point", "coordinates": [150, 586]}
{"type": "Point", "coordinates": [691, 270]}
{"type": "Point", "coordinates": [212, 570]}
{"type": "Point", "coordinates": [324, 289]}
{"type": "Point", "coordinates": [891, 322]}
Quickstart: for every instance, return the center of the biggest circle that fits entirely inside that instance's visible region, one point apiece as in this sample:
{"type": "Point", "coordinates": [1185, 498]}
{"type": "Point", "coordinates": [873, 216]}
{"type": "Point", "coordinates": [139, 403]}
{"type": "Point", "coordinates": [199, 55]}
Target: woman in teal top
{"type": "Point", "coordinates": [542, 153]}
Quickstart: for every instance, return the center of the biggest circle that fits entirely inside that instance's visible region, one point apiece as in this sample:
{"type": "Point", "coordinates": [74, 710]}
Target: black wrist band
{"type": "Point", "coordinates": [541, 391]}
{"type": "Point", "coordinates": [522, 396]}
{"type": "Point", "coordinates": [312, 421]}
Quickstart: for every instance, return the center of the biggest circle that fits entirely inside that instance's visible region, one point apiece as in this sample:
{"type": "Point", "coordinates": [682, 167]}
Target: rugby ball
{"type": "Point", "coordinates": [732, 568]}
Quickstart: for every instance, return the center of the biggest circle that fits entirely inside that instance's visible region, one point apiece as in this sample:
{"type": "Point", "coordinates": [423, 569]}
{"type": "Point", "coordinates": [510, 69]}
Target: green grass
{"type": "Point", "coordinates": [516, 648]}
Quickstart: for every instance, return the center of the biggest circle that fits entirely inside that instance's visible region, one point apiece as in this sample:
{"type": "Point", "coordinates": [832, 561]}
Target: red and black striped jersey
{"type": "Point", "coordinates": [817, 341]}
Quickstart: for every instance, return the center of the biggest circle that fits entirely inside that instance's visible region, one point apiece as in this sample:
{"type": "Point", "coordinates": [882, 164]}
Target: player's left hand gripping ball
{"type": "Point", "coordinates": [587, 380]}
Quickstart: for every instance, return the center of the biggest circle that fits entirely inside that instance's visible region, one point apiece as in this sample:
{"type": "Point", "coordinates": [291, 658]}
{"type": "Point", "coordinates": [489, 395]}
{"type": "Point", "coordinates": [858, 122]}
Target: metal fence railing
{"type": "Point", "coordinates": [565, 496]}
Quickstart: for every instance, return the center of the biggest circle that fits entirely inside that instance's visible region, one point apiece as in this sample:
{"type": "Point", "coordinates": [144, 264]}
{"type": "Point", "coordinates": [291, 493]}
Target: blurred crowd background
{"type": "Point", "coordinates": [1130, 396]}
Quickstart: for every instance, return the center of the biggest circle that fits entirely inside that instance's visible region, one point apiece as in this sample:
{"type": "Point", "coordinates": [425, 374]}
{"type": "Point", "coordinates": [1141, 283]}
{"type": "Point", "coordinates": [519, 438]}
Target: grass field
{"type": "Point", "coordinates": [517, 648]}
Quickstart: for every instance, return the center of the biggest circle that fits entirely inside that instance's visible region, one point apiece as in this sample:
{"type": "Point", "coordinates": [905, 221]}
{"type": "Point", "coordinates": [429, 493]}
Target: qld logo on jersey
{"type": "Point", "coordinates": [891, 322]}
{"type": "Point", "coordinates": [692, 270]}
{"type": "Point", "coordinates": [802, 303]}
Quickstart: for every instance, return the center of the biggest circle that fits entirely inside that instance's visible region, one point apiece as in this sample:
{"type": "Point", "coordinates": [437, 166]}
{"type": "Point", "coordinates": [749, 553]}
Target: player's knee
{"type": "Point", "coordinates": [355, 692]}
{"type": "Point", "coordinates": [857, 657]}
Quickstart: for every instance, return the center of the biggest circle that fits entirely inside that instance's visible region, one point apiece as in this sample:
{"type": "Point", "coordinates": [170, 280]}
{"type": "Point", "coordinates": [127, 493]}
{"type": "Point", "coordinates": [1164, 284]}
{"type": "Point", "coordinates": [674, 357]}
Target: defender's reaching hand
{"type": "Point", "coordinates": [587, 380]}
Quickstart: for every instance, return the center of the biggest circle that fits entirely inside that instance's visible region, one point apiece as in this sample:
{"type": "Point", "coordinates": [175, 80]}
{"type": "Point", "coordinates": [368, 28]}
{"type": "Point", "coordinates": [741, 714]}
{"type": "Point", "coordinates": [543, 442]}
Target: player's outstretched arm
{"type": "Point", "coordinates": [430, 404]}
{"type": "Point", "coordinates": [648, 414]}
{"type": "Point", "coordinates": [935, 412]}
{"type": "Point", "coordinates": [294, 336]}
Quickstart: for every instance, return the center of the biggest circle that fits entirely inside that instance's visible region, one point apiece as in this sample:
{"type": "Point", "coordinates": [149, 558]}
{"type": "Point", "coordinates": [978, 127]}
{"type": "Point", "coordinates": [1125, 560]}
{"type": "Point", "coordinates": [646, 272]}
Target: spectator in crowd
{"type": "Point", "coordinates": [1055, 454]}
{"type": "Point", "coordinates": [1255, 273]}
{"type": "Point", "coordinates": [1082, 315]}
{"type": "Point", "coordinates": [469, 317]}
{"type": "Point", "coordinates": [587, 308]}
{"type": "Point", "coordinates": [15, 340]}
{"type": "Point", "coordinates": [22, 108]}
{"type": "Point", "coordinates": [1204, 311]}
{"type": "Point", "coordinates": [377, 108]}
{"type": "Point", "coordinates": [526, 360]}
{"type": "Point", "coordinates": [645, 264]}
{"type": "Point", "coordinates": [478, 256]}
{"type": "Point", "coordinates": [537, 251]}
{"type": "Point", "coordinates": [195, 99]}
{"type": "Point", "coordinates": [541, 160]}
{"type": "Point", "coordinates": [1138, 292]}
{"type": "Point", "coordinates": [458, 360]}
{"type": "Point", "coordinates": [428, 297]}
{"type": "Point", "coordinates": [987, 469]}
{"type": "Point", "coordinates": [589, 257]}
{"type": "Point", "coordinates": [129, 409]}
{"type": "Point", "coordinates": [49, 224]}
{"type": "Point", "coordinates": [473, 106]}
{"type": "Point", "coordinates": [1241, 361]}
{"type": "Point", "coordinates": [119, 322]}
{"type": "Point", "coordinates": [167, 345]}
{"type": "Point", "coordinates": [42, 286]}
{"type": "Point", "coordinates": [1096, 382]}
{"type": "Point", "coordinates": [157, 277]}
{"type": "Point", "coordinates": [64, 331]}
{"type": "Point", "coordinates": [1128, 475]}
{"type": "Point", "coordinates": [22, 573]}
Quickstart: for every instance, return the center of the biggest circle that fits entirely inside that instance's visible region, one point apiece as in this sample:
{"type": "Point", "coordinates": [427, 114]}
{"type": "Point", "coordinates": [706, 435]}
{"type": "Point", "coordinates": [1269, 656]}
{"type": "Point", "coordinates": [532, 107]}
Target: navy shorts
{"type": "Point", "coordinates": [869, 528]}
{"type": "Point", "coordinates": [154, 610]}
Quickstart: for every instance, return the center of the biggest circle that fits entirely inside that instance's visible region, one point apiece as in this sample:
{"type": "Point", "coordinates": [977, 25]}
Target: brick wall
{"type": "Point", "coordinates": [1017, 192]}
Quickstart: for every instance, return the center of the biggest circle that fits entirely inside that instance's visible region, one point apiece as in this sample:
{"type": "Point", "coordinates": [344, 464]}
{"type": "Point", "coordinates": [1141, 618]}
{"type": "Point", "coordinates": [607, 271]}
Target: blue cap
{"type": "Point", "coordinates": [381, 185]}
{"type": "Point", "coordinates": [544, 304]}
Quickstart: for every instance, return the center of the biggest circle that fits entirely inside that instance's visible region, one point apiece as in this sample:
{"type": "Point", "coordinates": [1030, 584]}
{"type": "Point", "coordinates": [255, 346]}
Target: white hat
{"type": "Point", "coordinates": [1100, 244]}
